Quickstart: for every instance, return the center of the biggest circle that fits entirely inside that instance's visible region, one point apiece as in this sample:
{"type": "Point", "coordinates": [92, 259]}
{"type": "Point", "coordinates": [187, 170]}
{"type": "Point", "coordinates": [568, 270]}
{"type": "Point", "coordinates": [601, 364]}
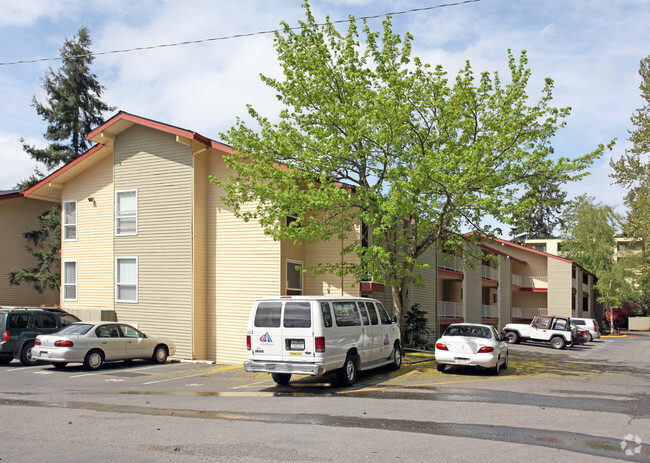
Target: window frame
{"type": "Point", "coordinates": [288, 289]}
{"type": "Point", "coordinates": [65, 226]}
{"type": "Point", "coordinates": [118, 217]}
{"type": "Point", "coordinates": [66, 284]}
{"type": "Point", "coordinates": [118, 283]}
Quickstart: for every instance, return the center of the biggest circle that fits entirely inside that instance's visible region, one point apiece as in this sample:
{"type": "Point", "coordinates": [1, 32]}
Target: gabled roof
{"type": "Point", "coordinates": [10, 194]}
{"type": "Point", "coordinates": [49, 188]}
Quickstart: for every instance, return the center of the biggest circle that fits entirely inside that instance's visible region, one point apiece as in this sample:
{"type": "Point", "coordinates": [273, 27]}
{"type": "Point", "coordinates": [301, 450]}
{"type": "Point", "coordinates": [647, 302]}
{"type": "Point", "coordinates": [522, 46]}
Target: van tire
{"type": "Point", "coordinates": [347, 375]}
{"type": "Point", "coordinates": [397, 357]}
{"type": "Point", "coordinates": [281, 379]}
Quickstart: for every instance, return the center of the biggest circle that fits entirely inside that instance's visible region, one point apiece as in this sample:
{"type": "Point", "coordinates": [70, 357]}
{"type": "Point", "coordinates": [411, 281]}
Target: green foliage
{"type": "Point", "coordinates": [371, 135]}
{"type": "Point", "coordinates": [45, 245]}
{"type": "Point", "coordinates": [416, 332]}
{"type": "Point", "coordinates": [73, 107]}
{"type": "Point", "coordinates": [541, 220]}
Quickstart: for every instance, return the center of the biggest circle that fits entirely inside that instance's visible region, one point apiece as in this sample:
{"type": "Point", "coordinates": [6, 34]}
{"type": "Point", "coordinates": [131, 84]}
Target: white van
{"type": "Point", "coordinates": [311, 335]}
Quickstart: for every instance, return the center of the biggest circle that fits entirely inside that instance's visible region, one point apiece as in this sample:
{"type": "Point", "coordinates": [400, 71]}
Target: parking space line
{"type": "Point", "coordinates": [105, 372]}
{"type": "Point", "coordinates": [181, 377]}
{"type": "Point", "coordinates": [441, 383]}
{"type": "Point", "coordinates": [253, 384]}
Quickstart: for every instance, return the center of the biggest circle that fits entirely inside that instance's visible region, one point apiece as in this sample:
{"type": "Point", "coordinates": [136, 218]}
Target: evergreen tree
{"type": "Point", "coordinates": [73, 107]}
{"type": "Point", "coordinates": [541, 220]}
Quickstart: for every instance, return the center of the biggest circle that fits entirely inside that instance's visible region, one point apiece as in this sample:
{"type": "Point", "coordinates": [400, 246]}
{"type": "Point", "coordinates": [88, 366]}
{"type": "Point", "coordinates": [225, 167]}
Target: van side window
{"type": "Point", "coordinates": [327, 314]}
{"type": "Point", "coordinates": [268, 315]}
{"type": "Point", "coordinates": [297, 315]}
{"type": "Point", "coordinates": [383, 315]}
{"type": "Point", "coordinates": [374, 320]}
{"type": "Point", "coordinates": [364, 314]}
{"type": "Point", "coordinates": [346, 313]}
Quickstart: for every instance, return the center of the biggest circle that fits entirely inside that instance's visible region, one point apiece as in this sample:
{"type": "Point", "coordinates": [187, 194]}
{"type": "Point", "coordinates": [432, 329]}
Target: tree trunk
{"type": "Point", "coordinates": [398, 308]}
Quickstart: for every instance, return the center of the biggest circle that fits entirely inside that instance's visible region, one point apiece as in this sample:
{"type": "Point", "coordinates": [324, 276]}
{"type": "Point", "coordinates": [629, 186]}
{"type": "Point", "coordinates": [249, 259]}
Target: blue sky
{"type": "Point", "coordinates": [590, 48]}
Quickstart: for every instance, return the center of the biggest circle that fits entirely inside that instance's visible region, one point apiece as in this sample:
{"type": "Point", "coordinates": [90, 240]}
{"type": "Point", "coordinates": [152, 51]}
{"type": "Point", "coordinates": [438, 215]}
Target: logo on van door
{"type": "Point", "coordinates": [266, 338]}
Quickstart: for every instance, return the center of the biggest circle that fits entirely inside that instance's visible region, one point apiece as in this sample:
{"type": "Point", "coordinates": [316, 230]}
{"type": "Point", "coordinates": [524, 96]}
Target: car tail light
{"type": "Point", "coordinates": [595, 329]}
{"type": "Point", "coordinates": [320, 344]}
{"type": "Point", "coordinates": [37, 342]}
{"type": "Point", "coordinates": [63, 343]}
{"type": "Point", "coordinates": [248, 342]}
{"type": "Point", "coordinates": [485, 350]}
{"type": "Point", "coordinates": [5, 336]}
{"type": "Point", "coordinates": [441, 346]}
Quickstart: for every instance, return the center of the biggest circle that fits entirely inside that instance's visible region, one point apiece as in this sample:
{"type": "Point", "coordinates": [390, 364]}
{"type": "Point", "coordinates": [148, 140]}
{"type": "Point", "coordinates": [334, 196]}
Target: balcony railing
{"type": "Point", "coordinates": [528, 312]}
{"type": "Point", "coordinates": [449, 262]}
{"type": "Point", "coordinates": [489, 273]}
{"type": "Point", "coordinates": [448, 309]}
{"type": "Point", "coordinates": [530, 282]}
{"type": "Point", "coordinates": [489, 311]}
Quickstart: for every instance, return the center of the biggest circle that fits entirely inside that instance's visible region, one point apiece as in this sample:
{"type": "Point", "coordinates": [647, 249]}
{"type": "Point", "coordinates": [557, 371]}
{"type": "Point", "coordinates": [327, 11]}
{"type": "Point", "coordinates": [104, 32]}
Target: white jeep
{"type": "Point", "coordinates": [555, 330]}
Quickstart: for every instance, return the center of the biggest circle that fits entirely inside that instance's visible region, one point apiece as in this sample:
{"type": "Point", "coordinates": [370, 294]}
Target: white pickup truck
{"type": "Point", "coordinates": [555, 330]}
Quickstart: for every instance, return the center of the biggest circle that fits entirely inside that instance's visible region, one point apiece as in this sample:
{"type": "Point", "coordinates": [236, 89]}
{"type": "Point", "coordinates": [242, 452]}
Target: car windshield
{"type": "Point", "coordinates": [472, 331]}
{"type": "Point", "coordinates": [77, 328]}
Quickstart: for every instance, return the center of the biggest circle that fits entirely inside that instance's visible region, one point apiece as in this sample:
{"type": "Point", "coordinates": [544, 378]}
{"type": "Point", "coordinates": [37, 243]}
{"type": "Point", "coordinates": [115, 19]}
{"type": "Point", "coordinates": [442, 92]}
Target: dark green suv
{"type": "Point", "coordinates": [19, 326]}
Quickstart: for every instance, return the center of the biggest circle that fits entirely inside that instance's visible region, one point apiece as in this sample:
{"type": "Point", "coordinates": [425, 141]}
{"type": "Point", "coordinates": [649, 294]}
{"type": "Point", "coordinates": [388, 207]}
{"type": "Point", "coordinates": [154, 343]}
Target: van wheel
{"type": "Point", "coordinates": [347, 375]}
{"type": "Point", "coordinates": [558, 342]}
{"type": "Point", "coordinates": [26, 355]}
{"type": "Point", "coordinates": [281, 378]}
{"type": "Point", "coordinates": [397, 357]}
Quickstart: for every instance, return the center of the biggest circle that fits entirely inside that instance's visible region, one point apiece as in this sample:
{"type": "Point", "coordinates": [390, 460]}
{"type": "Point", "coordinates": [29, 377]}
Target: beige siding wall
{"type": "Point", "coordinates": [93, 249]}
{"type": "Point", "coordinates": [427, 296]}
{"type": "Point", "coordinates": [17, 216]}
{"type": "Point", "coordinates": [504, 294]}
{"type": "Point", "coordinates": [243, 264]}
{"type": "Point", "coordinates": [472, 290]}
{"type": "Point", "coordinates": [161, 170]}
{"type": "Point", "coordinates": [201, 328]}
{"type": "Point", "coordinates": [559, 288]}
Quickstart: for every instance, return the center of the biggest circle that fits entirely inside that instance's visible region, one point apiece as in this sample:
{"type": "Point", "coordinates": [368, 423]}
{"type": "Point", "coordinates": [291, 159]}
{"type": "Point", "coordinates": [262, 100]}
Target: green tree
{"type": "Point", "coordinates": [544, 216]}
{"type": "Point", "coordinates": [73, 107]}
{"type": "Point", "coordinates": [588, 239]}
{"type": "Point", "coordinates": [45, 245]}
{"type": "Point", "coordinates": [371, 137]}
{"type": "Point", "coordinates": [632, 171]}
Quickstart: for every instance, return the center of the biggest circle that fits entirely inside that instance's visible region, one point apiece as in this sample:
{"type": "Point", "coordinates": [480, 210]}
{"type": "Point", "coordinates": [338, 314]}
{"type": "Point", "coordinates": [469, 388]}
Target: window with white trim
{"type": "Point", "coordinates": [126, 279]}
{"type": "Point", "coordinates": [69, 220]}
{"type": "Point", "coordinates": [294, 277]}
{"type": "Point", "coordinates": [70, 280]}
{"type": "Point", "coordinates": [126, 212]}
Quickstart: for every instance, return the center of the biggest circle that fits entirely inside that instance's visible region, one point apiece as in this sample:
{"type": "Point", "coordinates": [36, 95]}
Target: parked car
{"type": "Point", "coordinates": [579, 334]}
{"type": "Point", "coordinates": [311, 335]}
{"type": "Point", "coordinates": [472, 344]}
{"type": "Point", "coordinates": [19, 327]}
{"type": "Point", "coordinates": [554, 330]}
{"type": "Point", "coordinates": [590, 325]}
{"type": "Point", "coordinates": [95, 343]}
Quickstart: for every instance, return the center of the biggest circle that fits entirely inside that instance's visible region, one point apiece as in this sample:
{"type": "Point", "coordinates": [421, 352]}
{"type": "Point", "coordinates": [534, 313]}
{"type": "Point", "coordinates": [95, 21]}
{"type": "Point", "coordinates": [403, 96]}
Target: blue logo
{"type": "Point", "coordinates": [266, 338]}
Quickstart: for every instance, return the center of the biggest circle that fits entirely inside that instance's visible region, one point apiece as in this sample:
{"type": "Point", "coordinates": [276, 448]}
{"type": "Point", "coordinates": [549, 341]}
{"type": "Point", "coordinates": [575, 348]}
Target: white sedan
{"type": "Point", "coordinates": [473, 345]}
{"type": "Point", "coordinates": [95, 343]}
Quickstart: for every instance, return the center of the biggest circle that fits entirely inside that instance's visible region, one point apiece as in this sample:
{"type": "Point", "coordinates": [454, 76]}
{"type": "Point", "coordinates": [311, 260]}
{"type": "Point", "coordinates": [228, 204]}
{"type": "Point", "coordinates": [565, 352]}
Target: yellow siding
{"type": "Point", "coordinates": [427, 296]}
{"type": "Point", "coordinates": [17, 216]}
{"type": "Point", "coordinates": [559, 288]}
{"type": "Point", "coordinates": [93, 249]}
{"type": "Point", "coordinates": [472, 290]}
{"type": "Point", "coordinates": [243, 264]}
{"type": "Point", "coordinates": [161, 170]}
{"type": "Point", "coordinates": [199, 271]}
{"type": "Point", "coordinates": [504, 293]}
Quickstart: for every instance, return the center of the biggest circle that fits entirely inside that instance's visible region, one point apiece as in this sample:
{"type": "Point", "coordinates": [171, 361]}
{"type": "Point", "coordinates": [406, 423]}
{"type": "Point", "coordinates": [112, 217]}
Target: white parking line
{"type": "Point", "coordinates": [253, 384]}
{"type": "Point", "coordinates": [181, 377]}
{"type": "Point", "coordinates": [104, 372]}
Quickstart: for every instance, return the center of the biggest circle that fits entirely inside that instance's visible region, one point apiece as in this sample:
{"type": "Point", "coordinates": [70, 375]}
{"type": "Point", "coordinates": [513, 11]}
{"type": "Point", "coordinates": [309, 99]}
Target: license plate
{"type": "Point", "coordinates": [44, 354]}
{"type": "Point", "coordinates": [462, 361]}
{"type": "Point", "coordinates": [297, 344]}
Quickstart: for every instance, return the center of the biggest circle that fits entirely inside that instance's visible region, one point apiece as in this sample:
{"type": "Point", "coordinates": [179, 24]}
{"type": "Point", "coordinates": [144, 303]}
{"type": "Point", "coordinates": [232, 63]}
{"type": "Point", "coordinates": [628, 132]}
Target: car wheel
{"type": "Point", "coordinates": [440, 366]}
{"type": "Point", "coordinates": [558, 342]}
{"type": "Point", "coordinates": [26, 355]}
{"type": "Point", "coordinates": [512, 337]}
{"type": "Point", "coordinates": [159, 354]}
{"type": "Point", "coordinates": [588, 337]}
{"type": "Point", "coordinates": [94, 360]}
{"type": "Point", "coordinates": [347, 375]}
{"type": "Point", "coordinates": [505, 364]}
{"type": "Point", "coordinates": [281, 378]}
{"type": "Point", "coordinates": [59, 365]}
{"type": "Point", "coordinates": [5, 360]}
{"type": "Point", "coordinates": [397, 357]}
{"type": "Point", "coordinates": [495, 369]}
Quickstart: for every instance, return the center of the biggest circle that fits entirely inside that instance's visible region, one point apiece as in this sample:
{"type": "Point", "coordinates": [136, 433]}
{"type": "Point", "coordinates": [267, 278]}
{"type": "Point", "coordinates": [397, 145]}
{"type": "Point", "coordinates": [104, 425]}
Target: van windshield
{"type": "Point", "coordinates": [297, 315]}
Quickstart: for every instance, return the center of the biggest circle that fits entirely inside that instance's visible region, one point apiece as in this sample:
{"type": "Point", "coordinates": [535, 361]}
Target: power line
{"type": "Point", "coordinates": [237, 36]}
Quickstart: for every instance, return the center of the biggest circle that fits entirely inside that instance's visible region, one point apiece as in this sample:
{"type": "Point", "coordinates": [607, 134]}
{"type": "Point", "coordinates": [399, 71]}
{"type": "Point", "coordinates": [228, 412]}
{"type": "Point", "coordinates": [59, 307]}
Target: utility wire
{"type": "Point", "coordinates": [236, 36]}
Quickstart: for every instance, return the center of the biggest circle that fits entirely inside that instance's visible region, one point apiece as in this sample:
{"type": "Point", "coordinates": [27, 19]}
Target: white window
{"type": "Point", "coordinates": [294, 277]}
{"type": "Point", "coordinates": [126, 212]}
{"type": "Point", "coordinates": [70, 280]}
{"type": "Point", "coordinates": [70, 220]}
{"type": "Point", "coordinates": [126, 279]}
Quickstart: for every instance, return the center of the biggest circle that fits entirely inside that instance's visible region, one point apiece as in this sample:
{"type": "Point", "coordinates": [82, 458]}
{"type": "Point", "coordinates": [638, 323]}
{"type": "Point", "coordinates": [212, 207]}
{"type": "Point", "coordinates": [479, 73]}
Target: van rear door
{"type": "Point", "coordinates": [298, 332]}
{"type": "Point", "coordinates": [266, 336]}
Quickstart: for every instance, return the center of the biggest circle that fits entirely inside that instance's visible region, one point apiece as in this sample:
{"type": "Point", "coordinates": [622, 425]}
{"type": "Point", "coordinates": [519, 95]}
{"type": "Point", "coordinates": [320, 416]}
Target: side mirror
{"type": "Point", "coordinates": [393, 319]}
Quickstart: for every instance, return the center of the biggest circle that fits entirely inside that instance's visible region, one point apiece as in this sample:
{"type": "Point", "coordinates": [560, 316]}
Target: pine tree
{"type": "Point", "coordinates": [73, 107]}
{"type": "Point", "coordinates": [541, 220]}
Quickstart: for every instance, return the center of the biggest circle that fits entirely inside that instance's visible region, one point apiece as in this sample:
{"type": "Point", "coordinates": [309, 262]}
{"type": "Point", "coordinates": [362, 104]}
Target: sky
{"type": "Point", "coordinates": [590, 48]}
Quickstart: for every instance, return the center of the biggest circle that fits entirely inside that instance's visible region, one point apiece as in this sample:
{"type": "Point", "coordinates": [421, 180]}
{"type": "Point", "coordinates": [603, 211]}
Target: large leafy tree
{"type": "Point", "coordinates": [370, 135]}
{"type": "Point", "coordinates": [544, 215]}
{"type": "Point", "coordinates": [73, 107]}
{"type": "Point", "coordinates": [632, 171]}
{"type": "Point", "coordinates": [588, 235]}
